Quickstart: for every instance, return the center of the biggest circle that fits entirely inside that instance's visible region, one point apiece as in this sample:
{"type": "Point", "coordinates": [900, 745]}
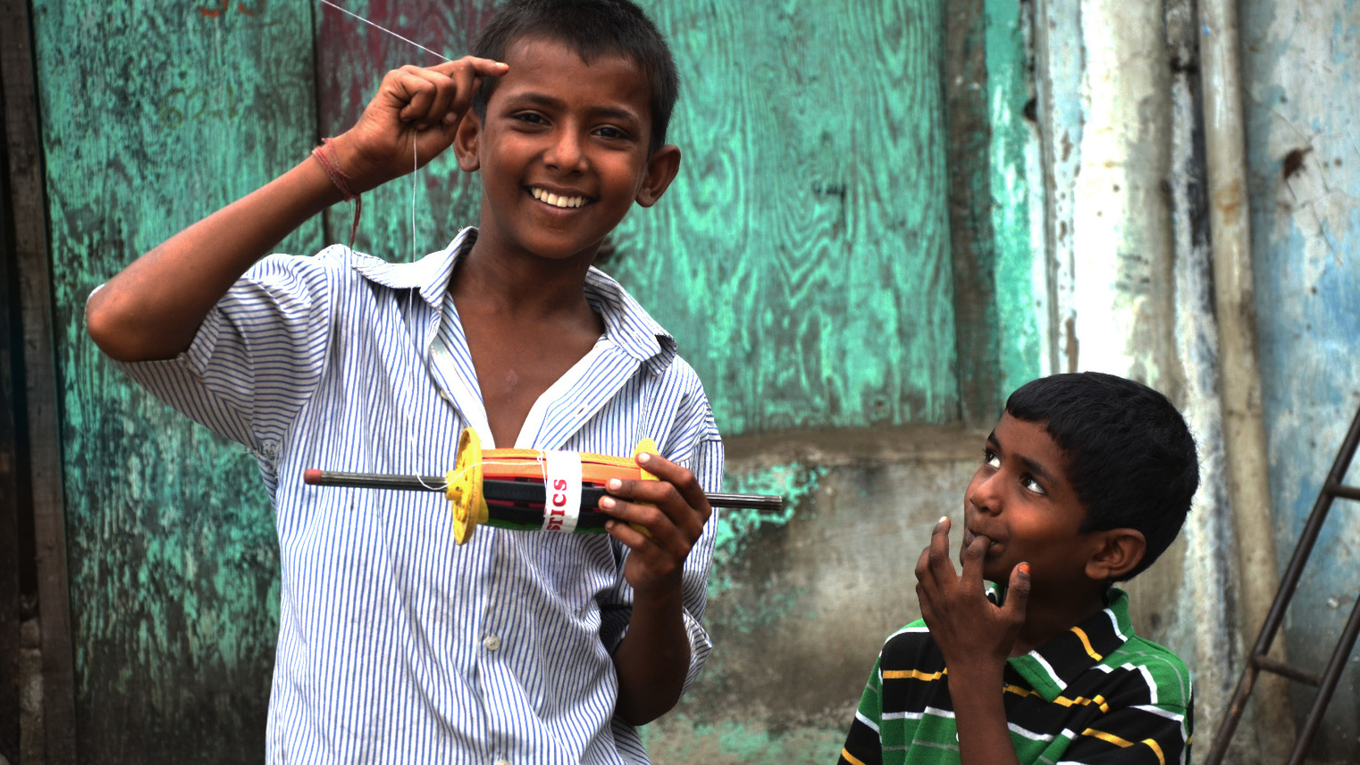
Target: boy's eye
{"type": "Point", "coordinates": [531, 118]}
{"type": "Point", "coordinates": [990, 458]}
{"type": "Point", "coordinates": [610, 132]}
{"type": "Point", "coordinates": [1032, 485]}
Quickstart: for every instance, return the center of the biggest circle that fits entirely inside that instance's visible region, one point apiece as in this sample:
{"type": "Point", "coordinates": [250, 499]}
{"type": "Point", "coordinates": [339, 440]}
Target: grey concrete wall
{"type": "Point", "coordinates": [800, 604]}
{"type": "Point", "coordinates": [1303, 160]}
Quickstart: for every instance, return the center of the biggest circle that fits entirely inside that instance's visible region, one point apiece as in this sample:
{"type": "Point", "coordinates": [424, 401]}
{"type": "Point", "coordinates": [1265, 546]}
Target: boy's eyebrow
{"type": "Point", "coordinates": [1029, 464]}
{"type": "Point", "coordinates": [1037, 469]}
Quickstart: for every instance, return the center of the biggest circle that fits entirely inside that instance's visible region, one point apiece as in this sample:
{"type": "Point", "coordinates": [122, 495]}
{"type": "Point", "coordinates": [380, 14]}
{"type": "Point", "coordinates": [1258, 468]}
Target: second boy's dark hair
{"type": "Point", "coordinates": [592, 28]}
{"type": "Point", "coordinates": [1131, 458]}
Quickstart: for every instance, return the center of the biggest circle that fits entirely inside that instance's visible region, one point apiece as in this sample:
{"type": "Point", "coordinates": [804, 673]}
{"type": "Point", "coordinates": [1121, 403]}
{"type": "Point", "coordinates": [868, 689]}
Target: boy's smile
{"type": "Point", "coordinates": [563, 151]}
{"type": "Point", "coordinates": [1020, 499]}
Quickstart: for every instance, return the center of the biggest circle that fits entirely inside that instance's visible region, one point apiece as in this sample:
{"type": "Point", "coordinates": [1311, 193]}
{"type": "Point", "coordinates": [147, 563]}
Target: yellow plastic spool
{"type": "Point", "coordinates": [464, 490]}
{"type": "Point", "coordinates": [646, 446]}
{"type": "Point", "coordinates": [464, 484]}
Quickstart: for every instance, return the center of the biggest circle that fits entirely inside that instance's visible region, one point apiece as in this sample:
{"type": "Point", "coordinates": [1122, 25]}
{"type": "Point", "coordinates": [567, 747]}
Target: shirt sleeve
{"type": "Point", "coordinates": [862, 744]}
{"type": "Point", "coordinates": [695, 445]}
{"type": "Point", "coordinates": [256, 358]}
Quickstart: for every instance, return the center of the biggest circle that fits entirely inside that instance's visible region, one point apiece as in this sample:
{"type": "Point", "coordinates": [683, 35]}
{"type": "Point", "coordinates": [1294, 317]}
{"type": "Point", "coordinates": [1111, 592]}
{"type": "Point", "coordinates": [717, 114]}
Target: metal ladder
{"type": "Point", "coordinates": [1259, 661]}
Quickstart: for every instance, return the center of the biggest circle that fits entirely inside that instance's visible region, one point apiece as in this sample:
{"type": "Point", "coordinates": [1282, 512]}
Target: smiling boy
{"type": "Point", "coordinates": [395, 645]}
{"type": "Point", "coordinates": [1085, 481]}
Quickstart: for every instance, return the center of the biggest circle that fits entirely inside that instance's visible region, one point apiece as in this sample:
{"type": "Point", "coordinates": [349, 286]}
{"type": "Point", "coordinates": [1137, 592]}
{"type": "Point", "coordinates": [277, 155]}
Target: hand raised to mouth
{"type": "Point", "coordinates": [965, 624]}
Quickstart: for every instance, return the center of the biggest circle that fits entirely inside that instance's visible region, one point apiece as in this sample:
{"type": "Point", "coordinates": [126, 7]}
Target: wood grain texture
{"type": "Point", "coordinates": [801, 257]}
{"type": "Point", "coordinates": [971, 236]}
{"type": "Point", "coordinates": [154, 114]}
{"type": "Point", "coordinates": [1020, 285]}
{"type": "Point", "coordinates": [11, 508]}
{"type": "Point", "coordinates": [41, 381]}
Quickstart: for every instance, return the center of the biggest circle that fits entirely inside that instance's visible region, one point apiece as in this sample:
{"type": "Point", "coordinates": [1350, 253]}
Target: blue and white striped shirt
{"type": "Point", "coordinates": [395, 644]}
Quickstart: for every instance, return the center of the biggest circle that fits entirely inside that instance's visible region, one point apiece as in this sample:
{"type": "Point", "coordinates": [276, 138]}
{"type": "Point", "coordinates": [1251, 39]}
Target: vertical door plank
{"type": "Point", "coordinates": [41, 380]}
{"type": "Point", "coordinates": [154, 114]}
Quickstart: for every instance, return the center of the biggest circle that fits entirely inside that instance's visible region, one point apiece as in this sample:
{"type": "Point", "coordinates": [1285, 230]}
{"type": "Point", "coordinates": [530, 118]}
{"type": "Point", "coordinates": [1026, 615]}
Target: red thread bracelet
{"type": "Point", "coordinates": [331, 166]}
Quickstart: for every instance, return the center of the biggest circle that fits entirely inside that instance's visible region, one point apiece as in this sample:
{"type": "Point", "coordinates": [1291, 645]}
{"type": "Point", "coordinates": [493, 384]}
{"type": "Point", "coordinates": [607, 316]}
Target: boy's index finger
{"type": "Point", "coordinates": [973, 556]}
{"type": "Point", "coordinates": [682, 479]}
{"type": "Point", "coordinates": [938, 551]}
{"type": "Point", "coordinates": [483, 67]}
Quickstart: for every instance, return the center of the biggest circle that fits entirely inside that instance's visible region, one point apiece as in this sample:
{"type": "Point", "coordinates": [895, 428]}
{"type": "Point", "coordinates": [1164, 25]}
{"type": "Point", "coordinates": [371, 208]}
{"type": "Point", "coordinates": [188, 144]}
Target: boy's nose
{"type": "Point", "coordinates": [984, 493]}
{"type": "Point", "coordinates": [567, 152]}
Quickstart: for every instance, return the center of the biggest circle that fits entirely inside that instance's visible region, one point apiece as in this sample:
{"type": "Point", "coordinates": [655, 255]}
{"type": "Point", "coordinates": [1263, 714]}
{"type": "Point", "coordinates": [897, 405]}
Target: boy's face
{"type": "Point", "coordinates": [563, 151]}
{"type": "Point", "coordinates": [1021, 500]}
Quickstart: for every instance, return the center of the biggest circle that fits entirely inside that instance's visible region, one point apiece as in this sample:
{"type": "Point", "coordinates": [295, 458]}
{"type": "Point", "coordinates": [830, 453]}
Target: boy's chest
{"type": "Point", "coordinates": [516, 364]}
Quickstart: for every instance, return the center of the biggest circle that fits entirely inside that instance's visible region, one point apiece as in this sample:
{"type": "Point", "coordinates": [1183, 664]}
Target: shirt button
{"type": "Point", "coordinates": [502, 761]}
{"type": "Point", "coordinates": [445, 395]}
{"type": "Point", "coordinates": [491, 643]}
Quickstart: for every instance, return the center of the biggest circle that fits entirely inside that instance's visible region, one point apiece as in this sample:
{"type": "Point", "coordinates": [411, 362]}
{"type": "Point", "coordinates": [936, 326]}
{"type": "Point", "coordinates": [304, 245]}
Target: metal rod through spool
{"type": "Point", "coordinates": [495, 489]}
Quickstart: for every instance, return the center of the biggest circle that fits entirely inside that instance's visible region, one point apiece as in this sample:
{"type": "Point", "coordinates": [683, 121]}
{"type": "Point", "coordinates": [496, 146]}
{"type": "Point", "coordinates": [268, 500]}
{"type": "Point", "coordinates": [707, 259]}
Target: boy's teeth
{"type": "Point", "coordinates": [557, 201]}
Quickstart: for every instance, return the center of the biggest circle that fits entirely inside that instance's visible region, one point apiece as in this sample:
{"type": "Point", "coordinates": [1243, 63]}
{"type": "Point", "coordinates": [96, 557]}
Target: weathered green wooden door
{"type": "Point", "coordinates": [801, 259]}
{"type": "Point", "coordinates": [153, 114]}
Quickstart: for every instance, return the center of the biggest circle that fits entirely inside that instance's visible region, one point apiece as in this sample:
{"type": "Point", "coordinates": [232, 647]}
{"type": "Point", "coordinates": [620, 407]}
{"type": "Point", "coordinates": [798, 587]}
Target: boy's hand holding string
{"type": "Point", "coordinates": [976, 638]}
{"type": "Point", "coordinates": [153, 308]}
{"type": "Point", "coordinates": [417, 104]}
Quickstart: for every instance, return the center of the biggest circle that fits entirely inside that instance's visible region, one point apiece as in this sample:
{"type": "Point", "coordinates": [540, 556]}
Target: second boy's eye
{"type": "Point", "coordinates": [1032, 485]}
{"type": "Point", "coordinates": [990, 458]}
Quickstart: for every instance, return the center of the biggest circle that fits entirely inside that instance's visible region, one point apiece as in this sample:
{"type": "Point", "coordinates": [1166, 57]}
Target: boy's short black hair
{"type": "Point", "coordinates": [1131, 458]}
{"type": "Point", "coordinates": [592, 28]}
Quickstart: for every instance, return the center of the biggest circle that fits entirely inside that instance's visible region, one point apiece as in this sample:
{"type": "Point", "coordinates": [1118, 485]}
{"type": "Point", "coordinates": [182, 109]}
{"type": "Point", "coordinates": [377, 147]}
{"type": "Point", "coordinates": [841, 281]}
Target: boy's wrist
{"type": "Point", "coordinates": [667, 594]}
{"type": "Point", "coordinates": [350, 161]}
{"type": "Point", "coordinates": [969, 679]}
{"type": "Point", "coordinates": [327, 157]}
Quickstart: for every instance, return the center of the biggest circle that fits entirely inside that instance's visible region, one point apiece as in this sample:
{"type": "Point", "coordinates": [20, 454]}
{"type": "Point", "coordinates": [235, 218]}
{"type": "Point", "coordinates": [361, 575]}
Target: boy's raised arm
{"type": "Point", "coordinates": [153, 308]}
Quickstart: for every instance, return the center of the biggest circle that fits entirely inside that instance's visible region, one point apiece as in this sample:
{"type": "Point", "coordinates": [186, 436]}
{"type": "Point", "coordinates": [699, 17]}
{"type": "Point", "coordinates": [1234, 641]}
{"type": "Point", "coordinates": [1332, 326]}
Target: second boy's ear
{"type": "Point", "coordinates": [661, 169]}
{"type": "Point", "coordinates": [465, 142]}
{"type": "Point", "coordinates": [1120, 552]}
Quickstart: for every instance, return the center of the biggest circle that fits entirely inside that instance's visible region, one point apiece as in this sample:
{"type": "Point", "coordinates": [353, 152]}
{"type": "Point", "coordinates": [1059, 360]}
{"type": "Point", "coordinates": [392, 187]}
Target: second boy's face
{"type": "Point", "coordinates": [563, 151]}
{"type": "Point", "coordinates": [1021, 500]}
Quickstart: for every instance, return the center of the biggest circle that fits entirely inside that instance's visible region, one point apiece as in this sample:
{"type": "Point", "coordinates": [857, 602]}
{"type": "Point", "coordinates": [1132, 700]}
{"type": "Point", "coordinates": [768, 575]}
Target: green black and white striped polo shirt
{"type": "Point", "coordinates": [1096, 694]}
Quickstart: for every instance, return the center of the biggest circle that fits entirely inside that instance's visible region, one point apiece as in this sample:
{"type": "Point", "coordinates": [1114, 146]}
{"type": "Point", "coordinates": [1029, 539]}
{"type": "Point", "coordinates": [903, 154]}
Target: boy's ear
{"type": "Point", "coordinates": [661, 170]}
{"type": "Point", "coordinates": [465, 142]}
{"type": "Point", "coordinates": [1120, 551]}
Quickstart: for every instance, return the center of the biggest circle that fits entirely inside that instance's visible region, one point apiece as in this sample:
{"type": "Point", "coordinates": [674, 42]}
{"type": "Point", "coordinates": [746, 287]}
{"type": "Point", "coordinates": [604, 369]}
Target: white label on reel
{"type": "Point", "coordinates": [563, 489]}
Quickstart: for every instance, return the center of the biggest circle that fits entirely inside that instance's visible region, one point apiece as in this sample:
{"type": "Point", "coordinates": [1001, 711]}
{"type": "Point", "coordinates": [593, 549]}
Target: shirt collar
{"type": "Point", "coordinates": [1052, 666]}
{"type": "Point", "coordinates": [626, 322]}
{"type": "Point", "coordinates": [429, 276]}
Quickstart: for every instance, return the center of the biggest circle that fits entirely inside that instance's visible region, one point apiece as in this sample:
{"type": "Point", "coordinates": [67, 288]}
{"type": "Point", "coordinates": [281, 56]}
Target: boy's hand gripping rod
{"type": "Point", "coordinates": [526, 488]}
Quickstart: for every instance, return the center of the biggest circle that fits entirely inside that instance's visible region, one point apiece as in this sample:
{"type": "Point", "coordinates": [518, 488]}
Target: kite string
{"type": "Point", "coordinates": [384, 29]}
{"type": "Point", "coordinates": [415, 149]}
{"type": "Point", "coordinates": [415, 168]}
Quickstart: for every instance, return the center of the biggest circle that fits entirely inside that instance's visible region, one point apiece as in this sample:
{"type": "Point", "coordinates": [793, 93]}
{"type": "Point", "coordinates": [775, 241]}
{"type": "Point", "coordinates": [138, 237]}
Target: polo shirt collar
{"type": "Point", "coordinates": [1055, 664]}
{"type": "Point", "coordinates": [632, 330]}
